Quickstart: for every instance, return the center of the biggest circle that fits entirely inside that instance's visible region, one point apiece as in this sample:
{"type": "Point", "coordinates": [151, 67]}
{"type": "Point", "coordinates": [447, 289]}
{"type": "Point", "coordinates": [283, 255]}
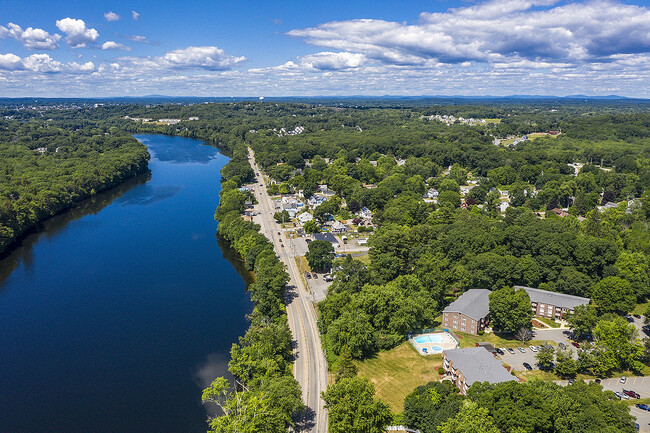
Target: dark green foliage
{"type": "Point", "coordinates": [430, 405]}
{"type": "Point", "coordinates": [510, 310]}
{"type": "Point", "coordinates": [320, 255]}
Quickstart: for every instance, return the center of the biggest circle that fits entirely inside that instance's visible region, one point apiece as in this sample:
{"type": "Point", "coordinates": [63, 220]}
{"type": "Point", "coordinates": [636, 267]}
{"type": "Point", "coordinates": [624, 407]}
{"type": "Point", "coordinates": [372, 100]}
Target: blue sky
{"type": "Point", "coordinates": [278, 48]}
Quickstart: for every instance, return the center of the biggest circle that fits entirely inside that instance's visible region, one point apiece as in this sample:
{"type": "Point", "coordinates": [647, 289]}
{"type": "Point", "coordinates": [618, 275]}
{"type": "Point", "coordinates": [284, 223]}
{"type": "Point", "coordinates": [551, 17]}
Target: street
{"type": "Point", "coordinates": [310, 366]}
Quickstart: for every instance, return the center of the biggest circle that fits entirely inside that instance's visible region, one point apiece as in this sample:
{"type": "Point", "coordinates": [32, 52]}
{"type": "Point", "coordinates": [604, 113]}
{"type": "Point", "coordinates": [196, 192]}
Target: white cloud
{"type": "Point", "coordinates": [10, 62]}
{"type": "Point", "coordinates": [334, 61]}
{"type": "Point", "coordinates": [135, 15]}
{"type": "Point", "coordinates": [112, 45]}
{"type": "Point", "coordinates": [495, 31]}
{"type": "Point", "coordinates": [136, 38]}
{"type": "Point", "coordinates": [208, 58]}
{"type": "Point", "coordinates": [31, 38]}
{"type": "Point", "coordinates": [111, 16]}
{"type": "Point", "coordinates": [41, 63]}
{"type": "Point", "coordinates": [77, 34]}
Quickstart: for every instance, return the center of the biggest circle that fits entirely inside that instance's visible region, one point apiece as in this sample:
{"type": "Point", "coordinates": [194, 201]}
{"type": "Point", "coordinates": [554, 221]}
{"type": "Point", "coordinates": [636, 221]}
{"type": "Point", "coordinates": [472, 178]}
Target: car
{"type": "Point", "coordinates": [533, 349]}
{"type": "Point", "coordinates": [623, 379]}
{"type": "Point", "coordinates": [282, 245]}
{"type": "Point", "coordinates": [511, 350]}
{"type": "Point", "coordinates": [315, 275]}
{"type": "Point", "coordinates": [598, 380]}
{"type": "Point", "coordinates": [500, 352]}
{"type": "Point", "coordinates": [571, 381]}
{"type": "Point", "coordinates": [631, 393]}
{"type": "Point", "coordinates": [279, 234]}
{"type": "Point", "coordinates": [561, 345]}
{"type": "Point", "coordinates": [621, 396]}
{"type": "Point", "coordinates": [308, 276]}
{"type": "Point", "coordinates": [636, 316]}
{"type": "Point", "coordinates": [643, 406]}
{"type": "Point", "coordinates": [527, 366]}
{"type": "Point", "coordinates": [307, 240]}
{"type": "Point", "coordinates": [576, 345]}
{"type": "Point", "coordinates": [521, 349]}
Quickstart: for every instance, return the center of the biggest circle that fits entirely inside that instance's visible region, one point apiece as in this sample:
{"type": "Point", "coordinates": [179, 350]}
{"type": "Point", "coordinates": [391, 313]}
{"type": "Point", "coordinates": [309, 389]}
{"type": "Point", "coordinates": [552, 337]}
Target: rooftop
{"type": "Point", "coordinates": [474, 303]}
{"type": "Point", "coordinates": [553, 298]}
{"type": "Point", "coordinates": [478, 365]}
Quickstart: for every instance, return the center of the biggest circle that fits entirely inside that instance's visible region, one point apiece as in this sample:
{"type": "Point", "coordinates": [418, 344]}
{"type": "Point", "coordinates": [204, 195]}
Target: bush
{"type": "Point", "coordinates": [481, 332]}
{"type": "Point", "coordinates": [441, 371]}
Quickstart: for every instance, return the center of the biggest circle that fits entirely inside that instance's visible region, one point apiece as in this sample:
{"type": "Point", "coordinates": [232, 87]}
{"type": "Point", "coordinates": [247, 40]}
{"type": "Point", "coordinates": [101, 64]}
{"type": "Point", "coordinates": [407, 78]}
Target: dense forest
{"type": "Point", "coordinates": [45, 169]}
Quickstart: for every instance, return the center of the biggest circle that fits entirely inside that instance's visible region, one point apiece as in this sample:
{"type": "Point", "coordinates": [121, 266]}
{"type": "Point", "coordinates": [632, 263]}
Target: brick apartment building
{"type": "Point", "coordinates": [552, 304]}
{"type": "Point", "coordinates": [469, 313]}
{"type": "Point", "coordinates": [474, 364]}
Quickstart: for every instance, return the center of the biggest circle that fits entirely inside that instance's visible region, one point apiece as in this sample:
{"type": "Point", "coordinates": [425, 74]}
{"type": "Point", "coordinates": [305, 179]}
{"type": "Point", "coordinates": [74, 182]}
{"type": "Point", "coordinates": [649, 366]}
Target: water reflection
{"type": "Point", "coordinates": [22, 249]}
{"type": "Point", "coordinates": [149, 195]}
{"type": "Point", "coordinates": [178, 150]}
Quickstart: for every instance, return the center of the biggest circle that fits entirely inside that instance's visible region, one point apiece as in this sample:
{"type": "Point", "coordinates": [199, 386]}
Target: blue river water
{"type": "Point", "coordinates": [115, 315]}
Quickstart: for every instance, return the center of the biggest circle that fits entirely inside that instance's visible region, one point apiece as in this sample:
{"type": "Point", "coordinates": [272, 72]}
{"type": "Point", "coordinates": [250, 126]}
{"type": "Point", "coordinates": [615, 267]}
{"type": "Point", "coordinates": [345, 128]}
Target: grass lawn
{"type": "Point", "coordinates": [397, 372]}
{"type": "Point", "coordinates": [549, 322]}
{"type": "Point", "coordinates": [469, 340]}
{"type": "Point", "coordinates": [535, 135]}
{"type": "Point", "coordinates": [492, 121]}
{"type": "Point", "coordinates": [640, 308]}
{"type": "Point", "coordinates": [303, 265]}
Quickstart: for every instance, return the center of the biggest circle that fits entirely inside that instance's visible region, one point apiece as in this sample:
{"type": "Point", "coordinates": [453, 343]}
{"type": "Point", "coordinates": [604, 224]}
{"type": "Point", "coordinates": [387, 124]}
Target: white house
{"type": "Point", "coordinates": [503, 206]}
{"type": "Point", "coordinates": [365, 213]}
{"type": "Point", "coordinates": [304, 217]}
{"type": "Point", "coordinates": [339, 227]}
{"type": "Point", "coordinates": [432, 193]}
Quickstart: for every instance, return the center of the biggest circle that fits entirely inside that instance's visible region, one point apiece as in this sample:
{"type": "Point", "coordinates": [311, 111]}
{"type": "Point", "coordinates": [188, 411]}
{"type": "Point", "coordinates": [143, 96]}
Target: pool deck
{"type": "Point", "coordinates": [434, 348]}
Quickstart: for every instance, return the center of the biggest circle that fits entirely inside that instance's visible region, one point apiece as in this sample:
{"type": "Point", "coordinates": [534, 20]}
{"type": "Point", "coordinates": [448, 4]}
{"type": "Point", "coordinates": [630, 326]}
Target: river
{"type": "Point", "coordinates": [115, 315]}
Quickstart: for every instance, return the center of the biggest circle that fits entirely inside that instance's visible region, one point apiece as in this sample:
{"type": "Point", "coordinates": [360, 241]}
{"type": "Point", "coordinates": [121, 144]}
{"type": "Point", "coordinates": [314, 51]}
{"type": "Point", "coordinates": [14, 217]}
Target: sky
{"type": "Point", "coordinates": [327, 48]}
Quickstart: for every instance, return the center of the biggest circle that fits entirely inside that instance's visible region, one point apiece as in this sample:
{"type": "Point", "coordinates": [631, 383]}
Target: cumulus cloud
{"type": "Point", "coordinates": [111, 16]}
{"type": "Point", "coordinates": [495, 31]}
{"type": "Point", "coordinates": [77, 34]}
{"type": "Point", "coordinates": [329, 61]}
{"type": "Point", "coordinates": [10, 62]}
{"type": "Point", "coordinates": [31, 38]}
{"type": "Point", "coordinates": [112, 45]}
{"type": "Point", "coordinates": [137, 38]}
{"type": "Point", "coordinates": [42, 63]}
{"type": "Point", "coordinates": [207, 58]}
{"type": "Point", "coordinates": [135, 15]}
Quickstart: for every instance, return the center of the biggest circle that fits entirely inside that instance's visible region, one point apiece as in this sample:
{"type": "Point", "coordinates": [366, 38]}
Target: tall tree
{"type": "Point", "coordinates": [510, 310]}
{"type": "Point", "coordinates": [320, 255]}
{"type": "Point", "coordinates": [613, 295]}
{"type": "Point", "coordinates": [471, 419]}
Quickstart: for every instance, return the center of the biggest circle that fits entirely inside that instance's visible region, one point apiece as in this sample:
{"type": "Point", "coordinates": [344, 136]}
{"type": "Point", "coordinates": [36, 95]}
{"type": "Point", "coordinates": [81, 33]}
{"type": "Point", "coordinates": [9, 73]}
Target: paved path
{"type": "Point", "coordinates": [310, 366]}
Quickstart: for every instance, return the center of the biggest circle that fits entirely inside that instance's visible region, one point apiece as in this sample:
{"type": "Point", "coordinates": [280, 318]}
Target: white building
{"type": "Point", "coordinates": [304, 217]}
{"type": "Point", "coordinates": [365, 213]}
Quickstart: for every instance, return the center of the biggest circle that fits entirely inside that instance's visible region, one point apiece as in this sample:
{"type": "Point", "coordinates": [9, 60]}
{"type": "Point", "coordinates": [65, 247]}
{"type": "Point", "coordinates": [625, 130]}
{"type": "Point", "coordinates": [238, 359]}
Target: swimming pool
{"type": "Point", "coordinates": [430, 338]}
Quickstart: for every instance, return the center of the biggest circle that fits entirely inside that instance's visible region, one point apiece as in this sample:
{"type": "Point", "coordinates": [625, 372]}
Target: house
{"type": "Point", "coordinates": [432, 193]}
{"type": "Point", "coordinates": [560, 212]}
{"type": "Point", "coordinates": [328, 237]}
{"type": "Point", "coordinates": [365, 213]}
{"type": "Point", "coordinates": [304, 217]}
{"type": "Point", "coordinates": [369, 185]}
{"type": "Point", "coordinates": [248, 204]}
{"type": "Point", "coordinates": [469, 313]}
{"type": "Point", "coordinates": [362, 242]}
{"type": "Point", "coordinates": [503, 206]}
{"type": "Point", "coordinates": [465, 189]}
{"type": "Point", "coordinates": [339, 227]}
{"type": "Point", "coordinates": [471, 365]}
{"type": "Point", "coordinates": [552, 304]}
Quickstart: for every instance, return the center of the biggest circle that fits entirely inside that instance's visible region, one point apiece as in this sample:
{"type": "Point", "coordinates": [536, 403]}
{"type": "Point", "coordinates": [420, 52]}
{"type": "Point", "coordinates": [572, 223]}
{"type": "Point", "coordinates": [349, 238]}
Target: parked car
{"type": "Point", "coordinates": [630, 393]}
{"type": "Point", "coordinates": [500, 352]}
{"type": "Point", "coordinates": [521, 349]}
{"type": "Point", "coordinates": [562, 345]}
{"type": "Point", "coordinates": [576, 345]}
{"type": "Point", "coordinates": [571, 381]}
{"type": "Point", "coordinates": [527, 366]}
{"type": "Point", "coordinates": [637, 316]}
{"type": "Point", "coordinates": [643, 406]}
{"type": "Point", "coordinates": [511, 350]}
{"type": "Point", "coordinates": [308, 276]}
{"type": "Point", "coordinates": [315, 275]}
{"type": "Point", "coordinates": [533, 349]}
{"type": "Point", "coordinates": [621, 396]}
{"type": "Point", "coordinates": [623, 379]}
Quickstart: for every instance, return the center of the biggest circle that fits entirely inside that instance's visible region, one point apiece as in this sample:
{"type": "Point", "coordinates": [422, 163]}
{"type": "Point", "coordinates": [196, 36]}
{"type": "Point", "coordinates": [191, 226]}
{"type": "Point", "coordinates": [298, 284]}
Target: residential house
{"type": "Point", "coordinates": [469, 313]}
{"type": "Point", "coordinates": [503, 206]}
{"type": "Point", "coordinates": [432, 193]}
{"type": "Point", "coordinates": [365, 213]}
{"type": "Point", "coordinates": [560, 212]}
{"type": "Point", "coordinates": [328, 237]}
{"type": "Point", "coordinates": [552, 304]}
{"type": "Point", "coordinates": [304, 217]}
{"type": "Point", "coordinates": [465, 189]}
{"type": "Point", "coordinates": [339, 227]}
{"type": "Point", "coordinates": [474, 364]}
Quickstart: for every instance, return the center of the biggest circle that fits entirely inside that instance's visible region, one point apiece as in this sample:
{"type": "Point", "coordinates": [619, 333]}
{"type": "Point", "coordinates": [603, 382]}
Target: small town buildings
{"type": "Point", "coordinates": [328, 237]}
{"type": "Point", "coordinates": [469, 313]}
{"type": "Point", "coordinates": [365, 213]}
{"type": "Point", "coordinates": [304, 217]}
{"type": "Point", "coordinates": [552, 304]}
{"type": "Point", "coordinates": [560, 212]}
{"type": "Point", "coordinates": [474, 364]}
{"type": "Point", "coordinates": [432, 193]}
{"type": "Point", "coordinates": [339, 227]}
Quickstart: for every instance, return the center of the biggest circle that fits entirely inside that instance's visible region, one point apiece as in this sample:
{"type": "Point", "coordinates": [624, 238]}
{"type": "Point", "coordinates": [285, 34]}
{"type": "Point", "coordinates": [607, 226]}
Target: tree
{"type": "Point", "coordinates": [510, 310]}
{"type": "Point", "coordinates": [613, 295]}
{"type": "Point", "coordinates": [282, 217]}
{"type": "Point", "coordinates": [430, 405]}
{"type": "Point", "coordinates": [311, 227]}
{"type": "Point", "coordinates": [619, 347]}
{"type": "Point", "coordinates": [352, 408]}
{"type": "Point", "coordinates": [471, 419]}
{"type": "Point", "coordinates": [345, 367]}
{"type": "Point", "coordinates": [524, 335]}
{"type": "Point", "coordinates": [582, 321]}
{"type": "Point", "coordinates": [545, 356]}
{"type": "Point", "coordinates": [565, 365]}
{"type": "Point", "coordinates": [449, 198]}
{"type": "Point", "coordinates": [320, 255]}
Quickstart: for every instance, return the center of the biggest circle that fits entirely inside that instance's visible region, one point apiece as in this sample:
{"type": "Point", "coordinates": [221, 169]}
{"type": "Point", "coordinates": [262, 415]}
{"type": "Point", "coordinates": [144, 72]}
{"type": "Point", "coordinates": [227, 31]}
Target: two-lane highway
{"type": "Point", "coordinates": [310, 366]}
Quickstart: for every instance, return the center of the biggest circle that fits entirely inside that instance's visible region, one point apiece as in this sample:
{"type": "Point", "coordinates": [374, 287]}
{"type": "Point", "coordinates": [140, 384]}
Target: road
{"type": "Point", "coordinates": [310, 366]}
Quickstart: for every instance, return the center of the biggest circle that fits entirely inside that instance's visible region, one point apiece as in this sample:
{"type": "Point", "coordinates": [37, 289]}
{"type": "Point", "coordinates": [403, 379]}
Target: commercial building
{"type": "Point", "coordinates": [469, 313]}
{"type": "Point", "coordinates": [474, 364]}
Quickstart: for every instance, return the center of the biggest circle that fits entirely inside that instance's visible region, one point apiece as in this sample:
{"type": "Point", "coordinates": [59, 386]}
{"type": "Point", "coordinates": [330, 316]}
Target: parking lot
{"type": "Point", "coordinates": [517, 360]}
